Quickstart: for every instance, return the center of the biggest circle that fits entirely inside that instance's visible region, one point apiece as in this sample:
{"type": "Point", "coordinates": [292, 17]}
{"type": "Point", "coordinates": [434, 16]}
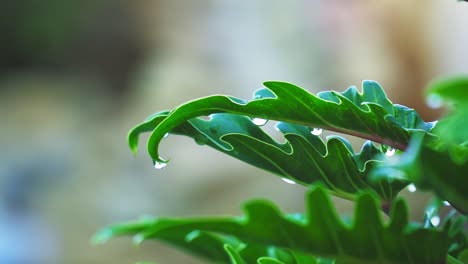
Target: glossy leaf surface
{"type": "Point", "coordinates": [303, 158]}
{"type": "Point", "coordinates": [369, 115]}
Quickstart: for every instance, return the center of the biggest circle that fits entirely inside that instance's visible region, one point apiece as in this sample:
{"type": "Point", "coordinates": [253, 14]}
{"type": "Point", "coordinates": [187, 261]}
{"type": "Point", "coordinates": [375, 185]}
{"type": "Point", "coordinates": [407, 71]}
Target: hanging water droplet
{"type": "Point", "coordinates": [288, 181]}
{"type": "Point", "coordinates": [435, 220]}
{"type": "Point", "coordinates": [259, 121]}
{"type": "Point", "coordinates": [316, 131]}
{"type": "Point", "coordinates": [390, 152]}
{"type": "Point", "coordinates": [159, 165]}
{"type": "Point", "coordinates": [138, 239]}
{"type": "Point", "coordinates": [411, 188]}
{"type": "Point", "coordinates": [445, 203]}
{"type": "Point", "coordinates": [434, 101]}
{"type": "Point", "coordinates": [166, 135]}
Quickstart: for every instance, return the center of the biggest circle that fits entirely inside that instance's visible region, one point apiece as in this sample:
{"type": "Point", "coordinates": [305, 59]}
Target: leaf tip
{"type": "Point", "coordinates": [102, 237]}
{"type": "Point", "coordinates": [132, 140]}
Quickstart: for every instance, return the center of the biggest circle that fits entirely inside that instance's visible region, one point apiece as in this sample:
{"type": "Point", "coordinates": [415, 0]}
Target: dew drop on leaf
{"type": "Point", "coordinates": [288, 181]}
{"type": "Point", "coordinates": [166, 135]}
{"type": "Point", "coordinates": [434, 101]}
{"type": "Point", "coordinates": [390, 152]}
{"type": "Point", "coordinates": [316, 131]}
{"type": "Point", "coordinates": [259, 121]}
{"type": "Point", "coordinates": [445, 203]}
{"type": "Point", "coordinates": [138, 239]}
{"type": "Point", "coordinates": [411, 188]}
{"type": "Point", "coordinates": [435, 220]}
{"type": "Point", "coordinates": [159, 165]}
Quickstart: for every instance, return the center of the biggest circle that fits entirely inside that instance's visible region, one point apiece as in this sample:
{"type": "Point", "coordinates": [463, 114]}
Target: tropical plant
{"type": "Point", "coordinates": [401, 151]}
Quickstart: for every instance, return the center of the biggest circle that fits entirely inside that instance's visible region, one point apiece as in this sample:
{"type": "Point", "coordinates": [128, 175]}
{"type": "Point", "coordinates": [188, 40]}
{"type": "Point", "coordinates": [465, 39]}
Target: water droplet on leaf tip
{"type": "Point", "coordinates": [316, 131]}
{"type": "Point", "coordinates": [166, 135]}
{"type": "Point", "coordinates": [288, 181]}
{"type": "Point", "coordinates": [259, 121]}
{"type": "Point", "coordinates": [159, 165]}
{"type": "Point", "coordinates": [435, 220]}
{"type": "Point", "coordinates": [445, 203]}
{"type": "Point", "coordinates": [390, 152]}
{"type": "Point", "coordinates": [434, 101]}
{"type": "Point", "coordinates": [138, 239]}
{"type": "Point", "coordinates": [411, 188]}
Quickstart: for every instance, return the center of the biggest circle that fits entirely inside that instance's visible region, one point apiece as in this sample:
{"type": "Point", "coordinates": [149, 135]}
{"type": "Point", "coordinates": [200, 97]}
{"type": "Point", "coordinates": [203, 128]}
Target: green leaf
{"type": "Point", "coordinates": [439, 165]}
{"type": "Point", "coordinates": [204, 244]}
{"type": "Point", "coordinates": [303, 158]}
{"type": "Point", "coordinates": [454, 225]}
{"type": "Point", "coordinates": [199, 243]}
{"type": "Point", "coordinates": [320, 232]}
{"type": "Point", "coordinates": [369, 115]}
{"type": "Point", "coordinates": [233, 255]}
{"type": "Point", "coordinates": [451, 89]}
{"type": "Point", "coordinates": [453, 128]}
{"type": "Point", "coordinates": [431, 169]}
{"type": "Point", "coordinates": [463, 257]}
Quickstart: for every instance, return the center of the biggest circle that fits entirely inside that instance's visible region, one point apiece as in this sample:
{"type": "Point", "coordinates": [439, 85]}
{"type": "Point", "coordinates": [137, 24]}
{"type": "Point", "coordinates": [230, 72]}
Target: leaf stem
{"type": "Point", "coordinates": [375, 138]}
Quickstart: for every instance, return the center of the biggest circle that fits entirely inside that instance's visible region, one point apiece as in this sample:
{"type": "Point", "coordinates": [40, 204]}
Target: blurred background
{"type": "Point", "coordinates": [75, 76]}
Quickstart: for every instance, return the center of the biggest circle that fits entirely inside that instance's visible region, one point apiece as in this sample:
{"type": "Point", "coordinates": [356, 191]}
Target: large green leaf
{"type": "Point", "coordinates": [454, 89]}
{"type": "Point", "coordinates": [439, 165]}
{"type": "Point", "coordinates": [303, 158]}
{"type": "Point", "coordinates": [215, 247]}
{"type": "Point", "coordinates": [319, 232]}
{"type": "Point", "coordinates": [452, 128]}
{"type": "Point", "coordinates": [369, 115]}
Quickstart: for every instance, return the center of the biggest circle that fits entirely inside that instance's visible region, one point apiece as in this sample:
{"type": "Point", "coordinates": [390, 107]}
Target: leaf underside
{"type": "Point", "coordinates": [369, 115]}
{"type": "Point", "coordinates": [304, 158]}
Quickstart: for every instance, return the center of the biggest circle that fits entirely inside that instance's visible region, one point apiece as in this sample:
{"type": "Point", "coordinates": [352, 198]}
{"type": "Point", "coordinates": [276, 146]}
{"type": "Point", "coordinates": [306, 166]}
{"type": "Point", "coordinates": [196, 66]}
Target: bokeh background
{"type": "Point", "coordinates": [75, 76]}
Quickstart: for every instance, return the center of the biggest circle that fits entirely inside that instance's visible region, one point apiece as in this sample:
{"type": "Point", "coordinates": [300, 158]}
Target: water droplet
{"type": "Point", "coordinates": [138, 239]}
{"type": "Point", "coordinates": [316, 131]}
{"type": "Point", "coordinates": [434, 101]}
{"type": "Point", "coordinates": [288, 181]}
{"type": "Point", "coordinates": [259, 121]}
{"type": "Point", "coordinates": [411, 188]}
{"type": "Point", "coordinates": [435, 220]}
{"type": "Point", "coordinates": [166, 135]}
{"type": "Point", "coordinates": [159, 165]}
{"type": "Point", "coordinates": [390, 152]}
{"type": "Point", "coordinates": [445, 203]}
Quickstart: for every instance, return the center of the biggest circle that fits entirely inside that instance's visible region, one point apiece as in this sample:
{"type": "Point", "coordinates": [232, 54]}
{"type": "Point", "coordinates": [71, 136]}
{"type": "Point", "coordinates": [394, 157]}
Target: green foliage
{"type": "Point", "coordinates": [368, 115]}
{"type": "Point", "coordinates": [440, 166]}
{"type": "Point", "coordinates": [319, 232]}
{"type": "Point", "coordinates": [425, 156]}
{"type": "Point", "coordinates": [304, 157]}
